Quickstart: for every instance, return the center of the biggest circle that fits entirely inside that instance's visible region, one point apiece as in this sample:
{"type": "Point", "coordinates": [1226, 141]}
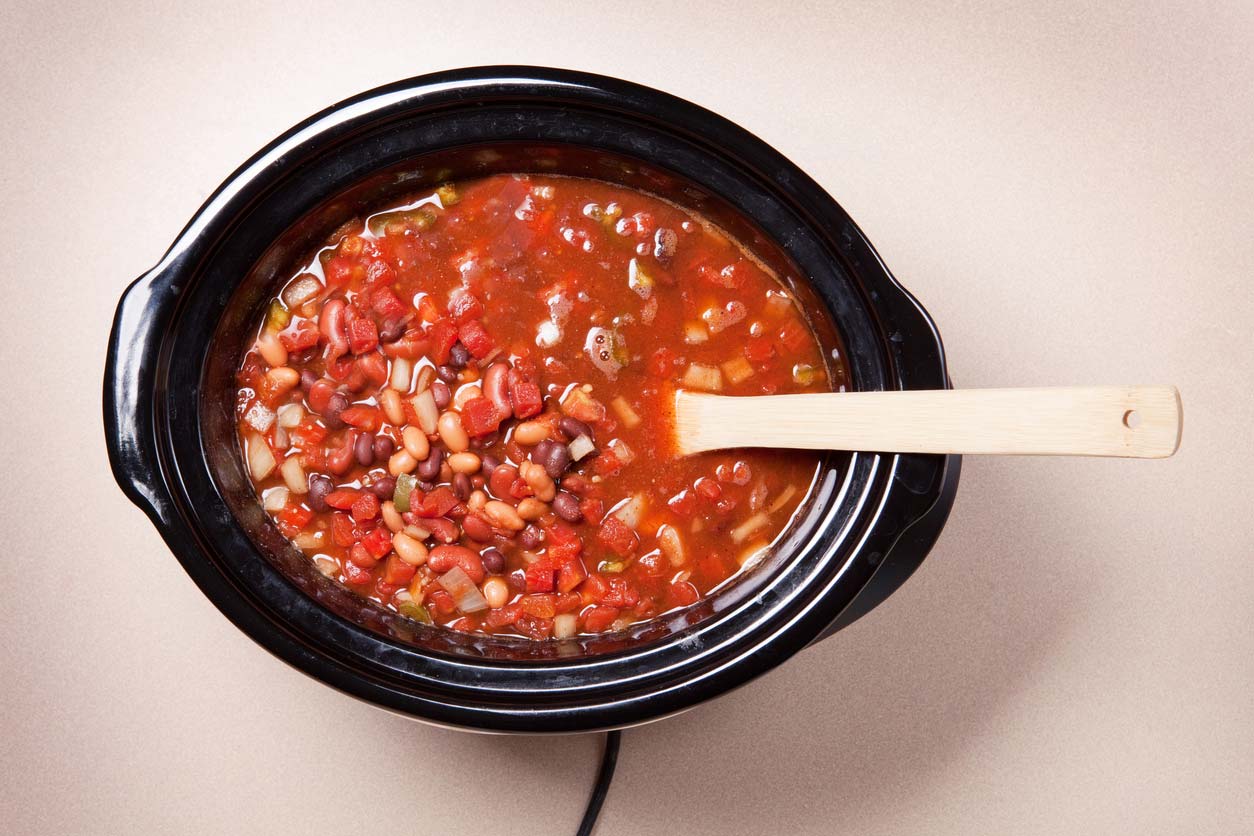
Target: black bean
{"type": "Point", "coordinates": [363, 449]}
{"type": "Point", "coordinates": [493, 561]}
{"type": "Point", "coordinates": [337, 404]}
{"type": "Point", "coordinates": [446, 373]}
{"type": "Point", "coordinates": [462, 486]}
{"type": "Point", "coordinates": [384, 487]}
{"type": "Point", "coordinates": [572, 428]}
{"type": "Point", "coordinates": [319, 487]}
{"type": "Point", "coordinates": [426, 487]}
{"type": "Point", "coordinates": [391, 330]}
{"type": "Point", "coordinates": [384, 446]}
{"type": "Point", "coordinates": [530, 537]}
{"type": "Point", "coordinates": [567, 507]}
{"type": "Point", "coordinates": [487, 464]}
{"type": "Point", "coordinates": [442, 395]}
{"type": "Point", "coordinates": [429, 468]}
{"type": "Point", "coordinates": [540, 453]}
{"type": "Point", "coordinates": [557, 460]}
{"type": "Point", "coordinates": [307, 380]}
{"type": "Point", "coordinates": [458, 356]}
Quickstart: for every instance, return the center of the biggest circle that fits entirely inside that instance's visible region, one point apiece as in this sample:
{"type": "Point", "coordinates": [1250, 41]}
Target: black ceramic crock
{"type": "Point", "coordinates": [180, 329]}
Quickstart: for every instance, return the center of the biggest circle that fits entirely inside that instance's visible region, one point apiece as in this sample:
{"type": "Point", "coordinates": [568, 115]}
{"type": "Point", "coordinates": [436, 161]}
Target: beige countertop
{"type": "Point", "coordinates": [1070, 191]}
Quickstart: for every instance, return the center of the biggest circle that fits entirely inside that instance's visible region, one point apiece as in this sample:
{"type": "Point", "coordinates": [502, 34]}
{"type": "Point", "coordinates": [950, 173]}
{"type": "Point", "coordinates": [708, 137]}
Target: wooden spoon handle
{"type": "Point", "coordinates": [1129, 421]}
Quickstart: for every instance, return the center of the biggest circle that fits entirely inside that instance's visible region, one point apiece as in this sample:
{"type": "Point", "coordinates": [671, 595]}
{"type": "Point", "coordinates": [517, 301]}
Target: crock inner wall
{"type": "Point", "coordinates": [243, 309]}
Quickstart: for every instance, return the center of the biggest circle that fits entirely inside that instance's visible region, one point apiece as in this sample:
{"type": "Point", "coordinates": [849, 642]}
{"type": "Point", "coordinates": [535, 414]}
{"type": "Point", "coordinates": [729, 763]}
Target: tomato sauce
{"type": "Point", "coordinates": [459, 407]}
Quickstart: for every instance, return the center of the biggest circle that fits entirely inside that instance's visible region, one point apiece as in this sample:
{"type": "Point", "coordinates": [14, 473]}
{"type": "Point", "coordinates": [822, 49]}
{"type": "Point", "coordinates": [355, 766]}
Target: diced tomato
{"type": "Point", "coordinates": [365, 507]}
{"type": "Point", "coordinates": [504, 616]}
{"type": "Point", "coordinates": [560, 532]}
{"type": "Point", "coordinates": [579, 404]}
{"type": "Point", "coordinates": [592, 509]}
{"type": "Point", "coordinates": [386, 303]}
{"type": "Point", "coordinates": [683, 503]}
{"type": "Point", "coordinates": [541, 575]}
{"type": "Point", "coordinates": [652, 564]}
{"type": "Point", "coordinates": [380, 272]}
{"type": "Point", "coordinates": [359, 555]}
{"type": "Point", "coordinates": [374, 368]}
{"type": "Point", "coordinates": [441, 602]}
{"type": "Point", "coordinates": [300, 336]}
{"type": "Point", "coordinates": [594, 589]}
{"type": "Point", "coordinates": [363, 335]}
{"type": "Point", "coordinates": [682, 594]}
{"type": "Point", "coordinates": [569, 602]}
{"type": "Point", "coordinates": [564, 551]}
{"type": "Point", "coordinates": [759, 351]}
{"type": "Point", "coordinates": [343, 533]}
{"type": "Point", "coordinates": [539, 606]}
{"type": "Point", "coordinates": [793, 336]}
{"type": "Point", "coordinates": [320, 395]}
{"type": "Point", "coordinates": [363, 417]}
{"type": "Point", "coordinates": [476, 338]}
{"type": "Point", "coordinates": [661, 363]}
{"type": "Point", "coordinates": [535, 628]}
{"type": "Point", "coordinates": [524, 395]}
{"type": "Point", "coordinates": [480, 416]}
{"type": "Point", "coordinates": [313, 458]}
{"type": "Point", "coordinates": [617, 536]}
{"type": "Point", "coordinates": [443, 337]}
{"type": "Point", "coordinates": [308, 433]}
{"type": "Point", "coordinates": [464, 306]}
{"type": "Point", "coordinates": [607, 464]}
{"type": "Point", "coordinates": [437, 503]}
{"type": "Point", "coordinates": [343, 498]}
{"type": "Point", "coordinates": [571, 575]}
{"type": "Point", "coordinates": [293, 519]}
{"type": "Point", "coordinates": [397, 572]}
{"type": "Point", "coordinates": [427, 311]}
{"type": "Point", "coordinates": [599, 619]}
{"type": "Point", "coordinates": [340, 368]}
{"type": "Point", "coordinates": [338, 272]}
{"type": "Point", "coordinates": [621, 594]}
{"type": "Point", "coordinates": [378, 541]}
{"type": "Point", "coordinates": [355, 574]}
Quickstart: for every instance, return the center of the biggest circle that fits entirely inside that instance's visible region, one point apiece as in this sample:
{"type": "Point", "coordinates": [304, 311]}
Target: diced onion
{"type": "Point", "coordinates": [699, 376]}
{"type": "Point", "coordinates": [424, 407]}
{"type": "Point", "coordinates": [402, 374]}
{"type": "Point", "coordinates": [737, 370]}
{"type": "Point", "coordinates": [672, 544]}
{"type": "Point", "coordinates": [465, 594]}
{"type": "Point", "coordinates": [259, 417]}
{"type": "Point", "coordinates": [260, 459]}
{"type": "Point", "coordinates": [777, 303]}
{"type": "Point", "coordinates": [695, 333]}
{"type": "Point", "coordinates": [327, 566]}
{"type": "Point", "coordinates": [639, 280]}
{"type": "Point", "coordinates": [752, 554]}
{"type": "Point", "coordinates": [275, 500]}
{"type": "Point", "coordinates": [580, 447]}
{"type": "Point", "coordinates": [630, 417]}
{"type": "Point", "coordinates": [782, 500]}
{"type": "Point", "coordinates": [624, 453]}
{"type": "Point", "coordinates": [290, 415]}
{"type": "Point", "coordinates": [309, 540]}
{"type": "Point", "coordinates": [719, 319]}
{"type": "Point", "coordinates": [294, 475]}
{"type": "Point", "coordinates": [564, 625]}
{"type": "Point", "coordinates": [280, 438]}
{"type": "Point", "coordinates": [303, 288]}
{"type": "Point", "coordinates": [749, 527]}
{"type": "Point", "coordinates": [630, 510]}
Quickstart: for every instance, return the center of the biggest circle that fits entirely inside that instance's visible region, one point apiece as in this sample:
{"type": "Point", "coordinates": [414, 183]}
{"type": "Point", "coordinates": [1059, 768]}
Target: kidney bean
{"type": "Point", "coordinates": [557, 460]}
{"type": "Point", "coordinates": [383, 447]}
{"type": "Point", "coordinates": [429, 468]}
{"type": "Point", "coordinates": [443, 558]}
{"type": "Point", "coordinates": [567, 507]}
{"type": "Point", "coordinates": [496, 389]}
{"type": "Point", "coordinates": [333, 325]}
{"type": "Point", "coordinates": [307, 380]}
{"type": "Point", "coordinates": [363, 448]}
{"type": "Point", "coordinates": [440, 392]}
{"type": "Point", "coordinates": [477, 528]}
{"type": "Point", "coordinates": [458, 356]}
{"type": "Point", "coordinates": [337, 404]}
{"type": "Point", "coordinates": [493, 561]}
{"type": "Point", "coordinates": [462, 486]}
{"type": "Point", "coordinates": [340, 460]}
{"type": "Point", "coordinates": [383, 487]}
{"type": "Point", "coordinates": [530, 537]}
{"type": "Point", "coordinates": [572, 428]}
{"type": "Point", "coordinates": [502, 479]}
{"type": "Point", "coordinates": [391, 330]}
{"type": "Point", "coordinates": [319, 487]}
{"type": "Point", "coordinates": [442, 529]}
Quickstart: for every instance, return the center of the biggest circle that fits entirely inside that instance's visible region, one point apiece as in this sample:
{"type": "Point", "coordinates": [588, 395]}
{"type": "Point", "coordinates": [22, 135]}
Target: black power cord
{"type": "Point", "coordinates": [609, 759]}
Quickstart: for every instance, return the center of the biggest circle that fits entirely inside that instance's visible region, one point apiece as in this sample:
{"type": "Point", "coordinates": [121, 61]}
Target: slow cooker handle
{"type": "Point", "coordinates": [134, 344]}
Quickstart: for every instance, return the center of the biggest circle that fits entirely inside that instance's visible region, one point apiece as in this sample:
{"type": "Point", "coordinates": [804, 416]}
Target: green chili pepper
{"type": "Point", "coordinates": [612, 566]}
{"type": "Point", "coordinates": [415, 611]}
{"type": "Point", "coordinates": [448, 194]}
{"type": "Point", "coordinates": [405, 484]}
{"type": "Point", "coordinates": [278, 317]}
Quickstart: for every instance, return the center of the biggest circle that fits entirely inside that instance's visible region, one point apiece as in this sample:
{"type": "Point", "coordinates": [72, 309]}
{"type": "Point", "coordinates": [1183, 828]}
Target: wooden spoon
{"type": "Point", "coordinates": [1140, 422]}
